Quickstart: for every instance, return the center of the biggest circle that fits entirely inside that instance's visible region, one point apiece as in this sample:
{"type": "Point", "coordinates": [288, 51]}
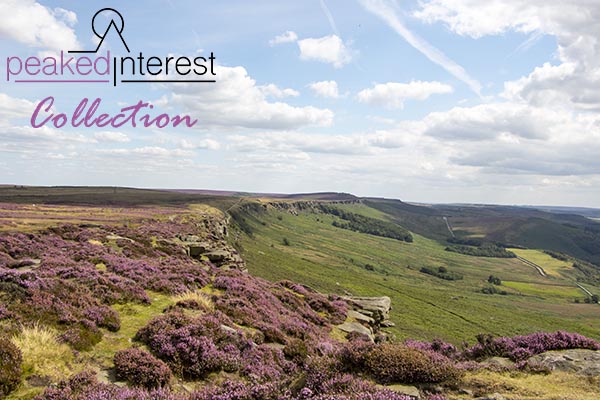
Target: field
{"type": "Point", "coordinates": [335, 260]}
{"type": "Point", "coordinates": [552, 267]}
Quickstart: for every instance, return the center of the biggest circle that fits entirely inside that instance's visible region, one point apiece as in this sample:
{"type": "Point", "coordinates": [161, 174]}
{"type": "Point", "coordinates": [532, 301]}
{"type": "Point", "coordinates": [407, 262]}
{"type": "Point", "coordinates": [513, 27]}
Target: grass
{"type": "Point", "coordinates": [333, 260]}
{"type": "Point", "coordinates": [521, 386]}
{"type": "Point", "coordinates": [43, 355]}
{"type": "Point", "coordinates": [552, 266]}
{"type": "Point", "coordinates": [199, 297]}
{"type": "Point", "coordinates": [133, 318]}
{"type": "Point", "coordinates": [545, 291]}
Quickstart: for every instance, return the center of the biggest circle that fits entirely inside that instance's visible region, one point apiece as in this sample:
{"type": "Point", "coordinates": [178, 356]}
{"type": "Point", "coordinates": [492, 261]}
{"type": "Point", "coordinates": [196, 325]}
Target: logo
{"type": "Point", "coordinates": [100, 67]}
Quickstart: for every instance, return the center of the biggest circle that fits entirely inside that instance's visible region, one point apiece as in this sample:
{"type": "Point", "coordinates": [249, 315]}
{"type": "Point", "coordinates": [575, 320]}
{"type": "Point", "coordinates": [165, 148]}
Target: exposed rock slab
{"type": "Point", "coordinates": [581, 362]}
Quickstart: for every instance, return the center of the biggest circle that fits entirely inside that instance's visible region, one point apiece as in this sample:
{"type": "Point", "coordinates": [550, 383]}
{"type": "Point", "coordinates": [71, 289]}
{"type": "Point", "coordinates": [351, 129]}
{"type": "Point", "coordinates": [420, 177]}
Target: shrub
{"type": "Point", "coordinates": [494, 280]}
{"type": "Point", "coordinates": [521, 348]}
{"type": "Point", "coordinates": [141, 368]}
{"type": "Point", "coordinates": [10, 367]}
{"type": "Point", "coordinates": [389, 363]}
{"type": "Point", "coordinates": [442, 273]}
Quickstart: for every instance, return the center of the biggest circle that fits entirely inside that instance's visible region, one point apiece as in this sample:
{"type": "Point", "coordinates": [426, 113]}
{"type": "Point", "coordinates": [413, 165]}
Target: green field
{"type": "Point", "coordinates": [552, 266]}
{"type": "Point", "coordinates": [335, 260]}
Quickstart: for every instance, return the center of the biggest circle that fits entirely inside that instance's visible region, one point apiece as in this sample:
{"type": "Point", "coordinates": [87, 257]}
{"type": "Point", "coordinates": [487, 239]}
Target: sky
{"type": "Point", "coordinates": [440, 101]}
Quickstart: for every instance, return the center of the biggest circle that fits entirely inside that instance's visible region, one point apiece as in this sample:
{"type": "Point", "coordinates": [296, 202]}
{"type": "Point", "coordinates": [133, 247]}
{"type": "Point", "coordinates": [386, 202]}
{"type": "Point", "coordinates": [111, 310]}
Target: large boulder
{"type": "Point", "coordinates": [579, 361]}
{"type": "Point", "coordinates": [377, 308]}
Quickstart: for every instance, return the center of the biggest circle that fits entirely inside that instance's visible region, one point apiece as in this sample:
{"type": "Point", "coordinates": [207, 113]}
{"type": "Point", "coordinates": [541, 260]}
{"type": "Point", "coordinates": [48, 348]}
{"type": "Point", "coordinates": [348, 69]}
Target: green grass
{"type": "Point", "coordinates": [545, 291]}
{"type": "Point", "coordinates": [551, 266]}
{"type": "Point", "coordinates": [333, 260]}
{"type": "Point", "coordinates": [133, 318]}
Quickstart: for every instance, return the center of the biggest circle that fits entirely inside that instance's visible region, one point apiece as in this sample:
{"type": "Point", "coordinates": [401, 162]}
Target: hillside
{"type": "Point", "coordinates": [143, 294]}
{"type": "Point", "coordinates": [337, 260]}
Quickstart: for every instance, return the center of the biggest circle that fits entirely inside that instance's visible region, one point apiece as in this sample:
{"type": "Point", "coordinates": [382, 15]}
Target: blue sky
{"type": "Point", "coordinates": [430, 101]}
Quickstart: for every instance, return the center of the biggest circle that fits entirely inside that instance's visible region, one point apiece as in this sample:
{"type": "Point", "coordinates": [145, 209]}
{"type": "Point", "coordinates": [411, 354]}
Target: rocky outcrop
{"type": "Point", "coordinates": [581, 362]}
{"type": "Point", "coordinates": [376, 308]}
{"type": "Point", "coordinates": [213, 248]}
{"type": "Point", "coordinates": [367, 315]}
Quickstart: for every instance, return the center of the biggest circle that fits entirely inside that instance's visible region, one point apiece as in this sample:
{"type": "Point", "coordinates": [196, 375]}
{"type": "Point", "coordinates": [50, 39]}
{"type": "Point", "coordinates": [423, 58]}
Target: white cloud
{"type": "Point", "coordinates": [236, 101]}
{"type": "Point", "coordinates": [393, 94]}
{"type": "Point", "coordinates": [329, 49]}
{"type": "Point", "coordinates": [387, 11]}
{"type": "Point", "coordinates": [576, 24]}
{"type": "Point", "coordinates": [325, 89]}
{"type": "Point", "coordinates": [204, 144]}
{"type": "Point", "coordinates": [149, 151]}
{"type": "Point", "coordinates": [11, 108]}
{"type": "Point", "coordinates": [275, 92]}
{"type": "Point", "coordinates": [33, 24]}
{"type": "Point", "coordinates": [287, 37]}
{"type": "Point", "coordinates": [110, 136]}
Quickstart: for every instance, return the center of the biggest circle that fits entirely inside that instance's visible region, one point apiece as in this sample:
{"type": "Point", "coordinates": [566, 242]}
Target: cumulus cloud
{"type": "Point", "coordinates": [393, 94]}
{"type": "Point", "coordinates": [35, 25]}
{"type": "Point", "coordinates": [274, 91]}
{"type": "Point", "coordinates": [148, 151]}
{"type": "Point", "coordinates": [328, 49]}
{"type": "Point", "coordinates": [575, 82]}
{"type": "Point", "coordinates": [325, 89]}
{"type": "Point", "coordinates": [287, 37]}
{"type": "Point", "coordinates": [12, 108]}
{"type": "Point", "coordinates": [110, 136]}
{"type": "Point", "coordinates": [236, 101]}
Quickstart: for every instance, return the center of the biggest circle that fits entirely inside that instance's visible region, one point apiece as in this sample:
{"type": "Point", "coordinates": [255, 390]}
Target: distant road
{"type": "Point", "coordinates": [534, 265]}
{"type": "Point", "coordinates": [449, 226]}
{"type": "Point", "coordinates": [585, 290]}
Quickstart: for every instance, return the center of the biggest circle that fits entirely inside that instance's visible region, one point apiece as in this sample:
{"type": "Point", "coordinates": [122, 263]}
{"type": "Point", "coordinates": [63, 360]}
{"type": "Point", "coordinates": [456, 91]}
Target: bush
{"type": "Point", "coordinates": [521, 348]}
{"type": "Point", "coordinates": [494, 280]}
{"type": "Point", "coordinates": [141, 368]}
{"type": "Point", "coordinates": [10, 367]}
{"type": "Point", "coordinates": [395, 363]}
{"type": "Point", "coordinates": [485, 250]}
{"type": "Point", "coordinates": [442, 273]}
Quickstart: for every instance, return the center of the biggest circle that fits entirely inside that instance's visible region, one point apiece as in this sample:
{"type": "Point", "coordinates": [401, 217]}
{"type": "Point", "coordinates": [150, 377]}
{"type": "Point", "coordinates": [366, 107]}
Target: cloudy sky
{"type": "Point", "coordinates": [492, 101]}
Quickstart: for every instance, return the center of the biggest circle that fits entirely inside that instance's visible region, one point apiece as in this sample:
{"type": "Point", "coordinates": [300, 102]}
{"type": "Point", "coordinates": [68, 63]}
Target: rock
{"type": "Point", "coordinates": [196, 249]}
{"type": "Point", "coordinates": [350, 327]}
{"type": "Point", "coordinates": [495, 396]}
{"type": "Point", "coordinates": [217, 256]}
{"type": "Point", "coordinates": [502, 362]}
{"type": "Point", "coordinates": [361, 317]}
{"type": "Point", "coordinates": [411, 391]}
{"type": "Point", "coordinates": [466, 392]}
{"type": "Point", "coordinates": [379, 306]}
{"type": "Point", "coordinates": [579, 361]}
{"type": "Point", "coordinates": [228, 329]}
{"type": "Point", "coordinates": [387, 324]}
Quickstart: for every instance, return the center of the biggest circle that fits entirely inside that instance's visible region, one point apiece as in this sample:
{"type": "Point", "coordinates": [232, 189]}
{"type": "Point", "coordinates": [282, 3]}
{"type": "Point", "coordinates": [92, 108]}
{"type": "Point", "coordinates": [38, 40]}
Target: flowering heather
{"type": "Point", "coordinates": [68, 276]}
{"type": "Point", "coordinates": [141, 368]}
{"type": "Point", "coordinates": [523, 347]}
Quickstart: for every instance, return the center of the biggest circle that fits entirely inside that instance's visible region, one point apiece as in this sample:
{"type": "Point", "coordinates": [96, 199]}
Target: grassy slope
{"type": "Point", "coordinates": [333, 260]}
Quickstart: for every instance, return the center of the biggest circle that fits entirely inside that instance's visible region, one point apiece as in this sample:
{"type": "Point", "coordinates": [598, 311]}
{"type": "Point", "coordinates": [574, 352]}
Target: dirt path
{"type": "Point", "coordinates": [534, 265]}
{"type": "Point", "coordinates": [449, 226]}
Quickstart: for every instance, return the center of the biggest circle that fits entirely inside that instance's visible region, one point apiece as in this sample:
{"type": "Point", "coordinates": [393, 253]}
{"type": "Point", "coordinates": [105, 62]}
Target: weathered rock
{"type": "Point", "coordinates": [350, 327]}
{"type": "Point", "coordinates": [501, 362]}
{"type": "Point", "coordinates": [361, 317]}
{"type": "Point", "coordinates": [196, 249]}
{"type": "Point", "coordinates": [411, 391]}
{"type": "Point", "coordinates": [218, 256]}
{"type": "Point", "coordinates": [495, 396]}
{"type": "Point", "coordinates": [579, 361]}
